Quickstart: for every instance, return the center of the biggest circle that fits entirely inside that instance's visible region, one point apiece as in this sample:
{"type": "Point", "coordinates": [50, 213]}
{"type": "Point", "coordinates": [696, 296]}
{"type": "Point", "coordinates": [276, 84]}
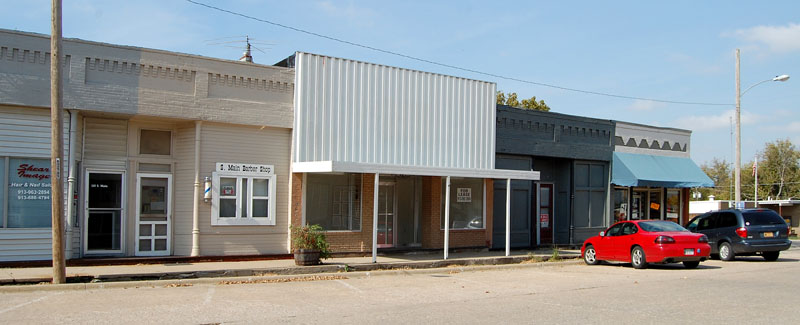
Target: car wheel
{"type": "Point", "coordinates": [726, 252]}
{"type": "Point", "coordinates": [638, 259]}
{"type": "Point", "coordinates": [691, 264]}
{"type": "Point", "coordinates": [590, 255]}
{"type": "Point", "coordinates": [771, 256]}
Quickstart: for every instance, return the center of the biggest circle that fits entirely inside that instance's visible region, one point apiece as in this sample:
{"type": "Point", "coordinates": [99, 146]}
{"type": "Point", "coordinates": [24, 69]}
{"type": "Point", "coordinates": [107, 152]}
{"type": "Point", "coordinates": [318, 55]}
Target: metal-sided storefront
{"type": "Point", "coordinates": [388, 123]}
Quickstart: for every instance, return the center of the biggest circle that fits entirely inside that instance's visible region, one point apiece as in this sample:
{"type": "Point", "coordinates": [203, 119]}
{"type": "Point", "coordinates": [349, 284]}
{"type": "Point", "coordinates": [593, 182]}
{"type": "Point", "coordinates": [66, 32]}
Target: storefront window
{"type": "Point", "coordinates": [620, 198]}
{"type": "Point", "coordinates": [638, 203]}
{"type": "Point", "coordinates": [243, 198]}
{"type": "Point", "coordinates": [673, 205]}
{"type": "Point", "coordinates": [334, 201]}
{"type": "Point", "coordinates": [28, 182]}
{"type": "Point", "coordinates": [466, 203]}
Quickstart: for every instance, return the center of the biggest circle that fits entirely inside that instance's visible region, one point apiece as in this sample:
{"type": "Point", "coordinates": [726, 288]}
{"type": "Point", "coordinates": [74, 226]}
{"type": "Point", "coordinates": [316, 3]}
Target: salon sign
{"type": "Point", "coordinates": [245, 169]}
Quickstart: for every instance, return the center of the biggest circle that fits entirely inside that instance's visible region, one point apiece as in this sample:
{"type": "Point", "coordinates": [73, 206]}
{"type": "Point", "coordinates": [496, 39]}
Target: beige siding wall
{"type": "Point", "coordinates": [106, 144]}
{"type": "Point", "coordinates": [230, 143]}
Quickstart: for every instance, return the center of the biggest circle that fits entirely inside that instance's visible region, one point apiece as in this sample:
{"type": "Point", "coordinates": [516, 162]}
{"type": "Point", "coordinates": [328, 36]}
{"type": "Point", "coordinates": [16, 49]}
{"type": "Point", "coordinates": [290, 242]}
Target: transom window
{"type": "Point", "coordinates": [155, 142]}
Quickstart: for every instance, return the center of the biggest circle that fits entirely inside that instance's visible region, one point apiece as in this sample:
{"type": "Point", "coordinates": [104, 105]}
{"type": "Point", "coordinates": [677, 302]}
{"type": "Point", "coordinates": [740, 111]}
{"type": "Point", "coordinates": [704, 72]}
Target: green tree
{"type": "Point", "coordinates": [501, 98]}
{"type": "Point", "coordinates": [513, 101]}
{"type": "Point", "coordinates": [720, 171]}
{"type": "Point", "coordinates": [778, 170]}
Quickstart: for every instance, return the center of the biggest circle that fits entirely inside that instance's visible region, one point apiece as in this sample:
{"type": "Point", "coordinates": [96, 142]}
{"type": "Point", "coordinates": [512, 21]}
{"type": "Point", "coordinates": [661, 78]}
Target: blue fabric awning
{"type": "Point", "coordinates": [632, 169]}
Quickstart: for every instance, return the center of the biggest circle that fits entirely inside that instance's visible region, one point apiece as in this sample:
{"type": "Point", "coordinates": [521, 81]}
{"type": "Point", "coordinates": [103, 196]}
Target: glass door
{"type": "Point", "coordinates": [655, 204]}
{"type": "Point", "coordinates": [386, 215]}
{"type": "Point", "coordinates": [153, 210]}
{"type": "Point", "coordinates": [545, 213]}
{"type": "Point", "coordinates": [104, 213]}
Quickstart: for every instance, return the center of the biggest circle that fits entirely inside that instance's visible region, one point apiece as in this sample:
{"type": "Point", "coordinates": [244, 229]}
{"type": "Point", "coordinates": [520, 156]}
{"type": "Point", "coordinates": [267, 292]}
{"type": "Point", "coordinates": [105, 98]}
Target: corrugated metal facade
{"type": "Point", "coordinates": [350, 111]}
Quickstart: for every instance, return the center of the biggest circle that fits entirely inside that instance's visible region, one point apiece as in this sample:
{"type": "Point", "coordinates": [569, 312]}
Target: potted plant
{"type": "Point", "coordinates": [309, 244]}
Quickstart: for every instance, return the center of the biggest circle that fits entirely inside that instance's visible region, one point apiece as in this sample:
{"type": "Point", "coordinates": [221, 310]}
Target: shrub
{"type": "Point", "coordinates": [310, 237]}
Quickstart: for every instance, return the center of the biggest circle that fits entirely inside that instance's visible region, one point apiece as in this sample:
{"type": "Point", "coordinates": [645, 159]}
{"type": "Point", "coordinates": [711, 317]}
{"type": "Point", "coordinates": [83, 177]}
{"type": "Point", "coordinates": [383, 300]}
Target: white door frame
{"type": "Point", "coordinates": [153, 236]}
{"type": "Point", "coordinates": [393, 184]}
{"type": "Point", "coordinates": [85, 225]}
{"type": "Point", "coordinates": [538, 189]}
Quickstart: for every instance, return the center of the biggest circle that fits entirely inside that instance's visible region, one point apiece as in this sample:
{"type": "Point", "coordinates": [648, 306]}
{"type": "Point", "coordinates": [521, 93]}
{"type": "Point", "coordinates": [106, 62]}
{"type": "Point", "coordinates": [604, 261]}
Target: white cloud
{"type": "Point", "coordinates": [645, 105]}
{"type": "Point", "coordinates": [719, 121]}
{"type": "Point", "coordinates": [793, 127]}
{"type": "Point", "coordinates": [777, 39]}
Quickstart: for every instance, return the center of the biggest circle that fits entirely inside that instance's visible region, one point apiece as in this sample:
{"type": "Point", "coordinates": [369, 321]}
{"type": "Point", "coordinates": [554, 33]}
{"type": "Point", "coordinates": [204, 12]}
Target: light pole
{"type": "Point", "coordinates": [738, 167]}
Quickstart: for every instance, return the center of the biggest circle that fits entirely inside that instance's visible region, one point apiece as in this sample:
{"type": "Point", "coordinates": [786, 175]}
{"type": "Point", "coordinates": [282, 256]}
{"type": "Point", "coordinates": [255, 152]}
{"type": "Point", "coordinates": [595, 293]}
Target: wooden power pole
{"type": "Point", "coordinates": [56, 147]}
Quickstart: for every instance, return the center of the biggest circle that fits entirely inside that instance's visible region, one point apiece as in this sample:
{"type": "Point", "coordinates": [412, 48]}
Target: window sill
{"type": "Point", "coordinates": [242, 222]}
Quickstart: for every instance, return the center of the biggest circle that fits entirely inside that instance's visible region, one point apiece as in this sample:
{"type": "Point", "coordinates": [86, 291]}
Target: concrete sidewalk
{"type": "Point", "coordinates": [173, 271]}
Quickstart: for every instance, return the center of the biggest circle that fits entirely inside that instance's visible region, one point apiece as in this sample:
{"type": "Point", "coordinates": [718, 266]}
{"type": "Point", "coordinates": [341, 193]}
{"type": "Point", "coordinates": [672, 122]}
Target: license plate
{"type": "Point", "coordinates": [688, 251]}
{"type": "Point", "coordinates": [769, 235]}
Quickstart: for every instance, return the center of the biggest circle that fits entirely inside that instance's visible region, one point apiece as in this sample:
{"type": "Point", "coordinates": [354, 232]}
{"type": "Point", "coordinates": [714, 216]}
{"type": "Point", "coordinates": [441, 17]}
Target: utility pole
{"type": "Point", "coordinates": [56, 147]}
{"type": "Point", "coordinates": [738, 167]}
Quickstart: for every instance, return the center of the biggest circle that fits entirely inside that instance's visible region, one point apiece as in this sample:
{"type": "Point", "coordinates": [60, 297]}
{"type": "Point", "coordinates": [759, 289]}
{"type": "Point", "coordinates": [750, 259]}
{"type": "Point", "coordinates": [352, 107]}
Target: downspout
{"type": "Point", "coordinates": [73, 134]}
{"type": "Point", "coordinates": [196, 201]}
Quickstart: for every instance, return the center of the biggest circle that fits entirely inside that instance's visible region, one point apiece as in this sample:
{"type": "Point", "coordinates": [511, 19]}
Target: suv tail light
{"type": "Point", "coordinates": [703, 239]}
{"type": "Point", "coordinates": [742, 232]}
{"type": "Point", "coordinates": [664, 240]}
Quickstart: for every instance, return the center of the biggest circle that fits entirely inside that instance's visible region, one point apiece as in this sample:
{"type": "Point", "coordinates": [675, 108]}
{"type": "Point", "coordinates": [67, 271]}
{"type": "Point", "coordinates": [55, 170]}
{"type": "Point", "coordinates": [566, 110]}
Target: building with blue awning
{"type": "Point", "coordinates": [652, 173]}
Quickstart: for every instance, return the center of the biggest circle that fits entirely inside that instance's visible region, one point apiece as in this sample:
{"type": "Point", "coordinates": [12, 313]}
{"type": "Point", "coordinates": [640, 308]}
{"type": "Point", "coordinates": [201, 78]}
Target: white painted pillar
{"type": "Point", "coordinates": [375, 218]}
{"type": "Point", "coordinates": [447, 217]}
{"type": "Point", "coordinates": [196, 194]}
{"type": "Point", "coordinates": [508, 217]}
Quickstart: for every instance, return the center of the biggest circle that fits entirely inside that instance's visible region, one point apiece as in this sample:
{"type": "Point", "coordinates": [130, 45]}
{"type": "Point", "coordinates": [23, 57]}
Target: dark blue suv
{"type": "Point", "coordinates": [743, 232]}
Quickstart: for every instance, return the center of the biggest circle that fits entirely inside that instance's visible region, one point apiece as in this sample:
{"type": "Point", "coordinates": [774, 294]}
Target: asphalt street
{"type": "Point", "coordinates": [748, 290]}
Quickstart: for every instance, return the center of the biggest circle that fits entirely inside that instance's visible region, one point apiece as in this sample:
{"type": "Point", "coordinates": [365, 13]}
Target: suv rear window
{"type": "Point", "coordinates": [758, 218]}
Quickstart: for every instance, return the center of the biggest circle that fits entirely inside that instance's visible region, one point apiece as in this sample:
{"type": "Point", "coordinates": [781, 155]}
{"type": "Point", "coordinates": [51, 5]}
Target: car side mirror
{"type": "Point", "coordinates": [602, 233]}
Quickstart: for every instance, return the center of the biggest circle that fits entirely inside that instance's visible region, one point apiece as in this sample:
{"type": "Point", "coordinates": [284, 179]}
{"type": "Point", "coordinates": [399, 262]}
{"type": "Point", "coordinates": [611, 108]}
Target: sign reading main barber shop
{"type": "Point", "coordinates": [246, 169]}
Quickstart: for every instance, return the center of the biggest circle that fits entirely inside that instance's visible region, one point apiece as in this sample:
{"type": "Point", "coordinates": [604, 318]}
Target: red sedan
{"type": "Point", "coordinates": [647, 241]}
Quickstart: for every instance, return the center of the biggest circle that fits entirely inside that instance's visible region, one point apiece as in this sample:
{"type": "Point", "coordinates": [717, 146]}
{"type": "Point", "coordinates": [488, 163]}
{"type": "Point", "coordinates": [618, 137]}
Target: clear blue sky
{"type": "Point", "coordinates": [675, 50]}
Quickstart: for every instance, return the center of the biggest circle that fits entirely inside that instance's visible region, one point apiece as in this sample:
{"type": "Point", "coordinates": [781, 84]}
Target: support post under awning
{"type": "Point", "coordinates": [375, 218]}
{"type": "Point", "coordinates": [508, 217]}
{"type": "Point", "coordinates": [447, 217]}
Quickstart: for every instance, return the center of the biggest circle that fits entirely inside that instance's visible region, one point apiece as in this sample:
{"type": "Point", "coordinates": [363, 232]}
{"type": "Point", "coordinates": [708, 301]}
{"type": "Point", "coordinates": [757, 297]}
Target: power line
{"type": "Point", "coordinates": [450, 65]}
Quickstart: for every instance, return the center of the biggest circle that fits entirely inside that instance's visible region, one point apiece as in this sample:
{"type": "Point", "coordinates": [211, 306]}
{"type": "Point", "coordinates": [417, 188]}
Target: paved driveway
{"type": "Point", "coordinates": [744, 291]}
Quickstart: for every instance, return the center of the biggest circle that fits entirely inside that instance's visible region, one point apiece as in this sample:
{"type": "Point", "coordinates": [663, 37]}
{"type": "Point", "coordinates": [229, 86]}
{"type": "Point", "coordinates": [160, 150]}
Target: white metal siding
{"type": "Point", "coordinates": [106, 143]}
{"type": "Point", "coordinates": [26, 244]}
{"type": "Point", "coordinates": [25, 133]}
{"type": "Point", "coordinates": [350, 111]}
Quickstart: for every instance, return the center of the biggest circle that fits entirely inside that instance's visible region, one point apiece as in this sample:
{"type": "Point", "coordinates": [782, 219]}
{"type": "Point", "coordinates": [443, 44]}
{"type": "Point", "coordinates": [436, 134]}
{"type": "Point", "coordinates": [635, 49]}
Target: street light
{"type": "Point", "coordinates": [738, 176]}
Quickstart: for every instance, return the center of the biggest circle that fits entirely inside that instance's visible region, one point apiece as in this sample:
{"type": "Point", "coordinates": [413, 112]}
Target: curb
{"type": "Point", "coordinates": [328, 274]}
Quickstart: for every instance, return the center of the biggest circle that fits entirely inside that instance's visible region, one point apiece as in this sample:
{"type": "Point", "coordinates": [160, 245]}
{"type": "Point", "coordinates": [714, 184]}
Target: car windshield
{"type": "Point", "coordinates": [758, 218]}
{"type": "Point", "coordinates": [660, 226]}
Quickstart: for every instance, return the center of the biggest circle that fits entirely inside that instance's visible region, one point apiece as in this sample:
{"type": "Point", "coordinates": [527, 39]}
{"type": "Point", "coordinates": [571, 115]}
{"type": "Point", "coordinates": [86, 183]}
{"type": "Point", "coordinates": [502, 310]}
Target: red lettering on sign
{"type": "Point", "coordinates": [31, 171]}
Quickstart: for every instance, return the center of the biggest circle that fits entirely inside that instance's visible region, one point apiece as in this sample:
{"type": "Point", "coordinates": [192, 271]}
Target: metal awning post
{"type": "Point", "coordinates": [508, 217]}
{"type": "Point", "coordinates": [375, 219]}
{"type": "Point", "coordinates": [447, 217]}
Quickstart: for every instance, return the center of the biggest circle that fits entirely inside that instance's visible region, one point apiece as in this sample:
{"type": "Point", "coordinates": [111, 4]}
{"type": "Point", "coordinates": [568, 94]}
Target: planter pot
{"type": "Point", "coordinates": [306, 257]}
